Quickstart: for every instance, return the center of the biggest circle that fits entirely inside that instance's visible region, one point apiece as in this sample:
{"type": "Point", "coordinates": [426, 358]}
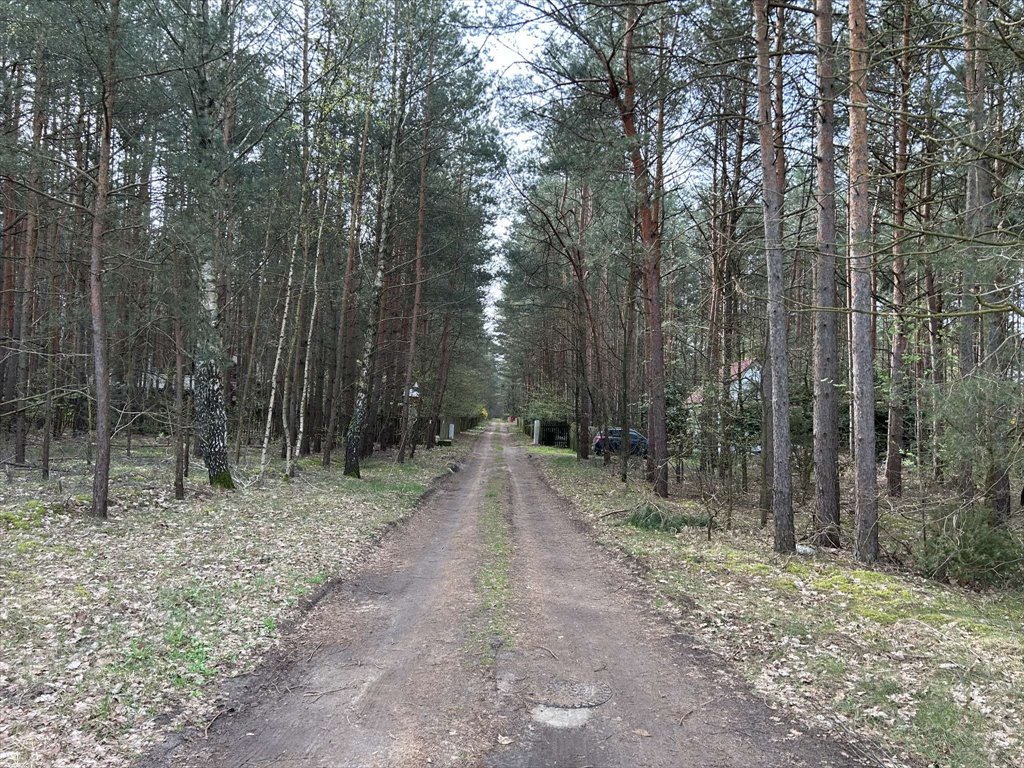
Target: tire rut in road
{"type": "Point", "coordinates": [594, 679]}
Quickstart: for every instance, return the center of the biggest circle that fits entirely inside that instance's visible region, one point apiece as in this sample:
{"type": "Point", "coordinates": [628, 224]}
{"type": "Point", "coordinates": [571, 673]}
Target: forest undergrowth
{"type": "Point", "coordinates": [930, 672]}
{"type": "Point", "coordinates": [113, 633]}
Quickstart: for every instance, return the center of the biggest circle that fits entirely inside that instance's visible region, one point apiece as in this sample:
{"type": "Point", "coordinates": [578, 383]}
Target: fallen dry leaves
{"type": "Point", "coordinates": [111, 633]}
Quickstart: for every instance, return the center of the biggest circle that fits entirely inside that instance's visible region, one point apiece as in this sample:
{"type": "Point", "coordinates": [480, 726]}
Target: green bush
{"type": "Point", "coordinates": [652, 518]}
{"type": "Point", "coordinates": [970, 549]}
{"type": "Point", "coordinates": [548, 406]}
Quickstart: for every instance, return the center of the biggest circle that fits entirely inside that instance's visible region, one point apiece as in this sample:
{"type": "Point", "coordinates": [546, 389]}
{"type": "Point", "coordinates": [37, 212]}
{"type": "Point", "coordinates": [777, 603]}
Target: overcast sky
{"type": "Point", "coordinates": [506, 50]}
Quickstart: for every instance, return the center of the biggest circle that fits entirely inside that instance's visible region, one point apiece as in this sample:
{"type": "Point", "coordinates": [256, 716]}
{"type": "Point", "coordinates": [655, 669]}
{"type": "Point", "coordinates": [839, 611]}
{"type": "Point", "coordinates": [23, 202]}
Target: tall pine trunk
{"type": "Point", "coordinates": [101, 374]}
{"type": "Point", "coordinates": [980, 225]}
{"type": "Point", "coordinates": [648, 207]}
{"type": "Point", "coordinates": [897, 374]}
{"type": "Point", "coordinates": [771, 166]}
{"type": "Point", "coordinates": [862, 349]}
{"type": "Point", "coordinates": [348, 300]}
{"type": "Point", "coordinates": [355, 434]}
{"type": "Point", "coordinates": [31, 241]}
{"type": "Point", "coordinates": [421, 225]}
{"type": "Point", "coordinates": [826, 345]}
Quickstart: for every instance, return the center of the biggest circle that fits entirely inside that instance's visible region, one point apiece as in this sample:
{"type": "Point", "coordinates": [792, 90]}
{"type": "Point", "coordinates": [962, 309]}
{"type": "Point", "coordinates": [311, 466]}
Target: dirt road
{"type": "Point", "coordinates": [422, 661]}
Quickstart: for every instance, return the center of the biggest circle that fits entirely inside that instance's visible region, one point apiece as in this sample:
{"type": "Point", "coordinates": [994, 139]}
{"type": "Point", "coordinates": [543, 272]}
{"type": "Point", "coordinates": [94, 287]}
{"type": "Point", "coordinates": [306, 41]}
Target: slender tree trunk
{"type": "Point", "coordinates": [767, 441]}
{"type": "Point", "coordinates": [933, 290]}
{"type": "Point", "coordinates": [348, 299]}
{"type": "Point", "coordinates": [629, 334]}
{"type": "Point", "coordinates": [180, 436]}
{"type": "Point", "coordinates": [969, 278]}
{"type": "Point", "coordinates": [281, 338]}
{"type": "Point", "coordinates": [129, 403]}
{"type": "Point", "coordinates": [290, 384]}
{"type": "Point", "coordinates": [357, 424]}
{"type": "Point", "coordinates": [897, 374]}
{"type": "Point", "coordinates": [101, 470]}
{"type": "Point", "coordinates": [862, 350]}
{"type": "Point", "coordinates": [250, 365]}
{"type": "Point", "coordinates": [938, 368]}
{"type": "Point", "coordinates": [421, 219]}
{"type": "Point", "coordinates": [582, 385]}
{"type": "Point", "coordinates": [304, 398]}
{"type": "Point", "coordinates": [51, 386]}
{"type": "Point", "coordinates": [771, 164]}
{"type": "Point", "coordinates": [594, 380]}
{"type": "Point", "coordinates": [826, 345]}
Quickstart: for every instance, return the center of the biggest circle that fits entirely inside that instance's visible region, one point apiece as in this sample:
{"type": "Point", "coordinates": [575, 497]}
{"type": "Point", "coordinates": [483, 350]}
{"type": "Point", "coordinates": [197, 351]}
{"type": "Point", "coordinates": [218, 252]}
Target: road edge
{"type": "Point", "coordinates": [231, 692]}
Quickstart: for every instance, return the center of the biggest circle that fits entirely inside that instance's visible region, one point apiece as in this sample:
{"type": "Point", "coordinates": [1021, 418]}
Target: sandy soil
{"type": "Point", "coordinates": [386, 671]}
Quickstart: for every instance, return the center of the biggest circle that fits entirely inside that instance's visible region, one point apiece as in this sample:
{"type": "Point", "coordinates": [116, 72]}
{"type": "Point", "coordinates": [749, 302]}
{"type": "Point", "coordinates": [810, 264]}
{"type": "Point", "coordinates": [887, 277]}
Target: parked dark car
{"type": "Point", "coordinates": [637, 442]}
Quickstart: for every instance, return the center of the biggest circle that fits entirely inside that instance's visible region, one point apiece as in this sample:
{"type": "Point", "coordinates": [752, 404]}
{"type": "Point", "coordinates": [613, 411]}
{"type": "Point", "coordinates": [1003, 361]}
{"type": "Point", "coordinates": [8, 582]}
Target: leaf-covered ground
{"type": "Point", "coordinates": [931, 672]}
{"type": "Point", "coordinates": [111, 633]}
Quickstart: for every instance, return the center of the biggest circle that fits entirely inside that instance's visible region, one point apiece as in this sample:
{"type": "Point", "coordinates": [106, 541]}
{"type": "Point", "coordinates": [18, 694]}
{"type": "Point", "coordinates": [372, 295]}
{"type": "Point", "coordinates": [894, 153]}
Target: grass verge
{"type": "Point", "coordinates": [493, 581]}
{"type": "Point", "coordinates": [928, 671]}
{"type": "Point", "coordinates": [111, 632]}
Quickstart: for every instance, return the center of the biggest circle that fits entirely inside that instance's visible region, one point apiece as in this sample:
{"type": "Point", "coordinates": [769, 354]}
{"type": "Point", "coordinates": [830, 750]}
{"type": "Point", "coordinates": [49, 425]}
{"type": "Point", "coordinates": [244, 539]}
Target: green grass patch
{"type": "Point", "coordinates": [550, 450]}
{"type": "Point", "coordinates": [949, 734]}
{"type": "Point", "coordinates": [387, 485]}
{"type": "Point", "coordinates": [493, 580]}
{"type": "Point", "coordinates": [318, 578]}
{"type": "Point", "coordinates": [829, 667]}
{"type": "Point", "coordinates": [652, 518]}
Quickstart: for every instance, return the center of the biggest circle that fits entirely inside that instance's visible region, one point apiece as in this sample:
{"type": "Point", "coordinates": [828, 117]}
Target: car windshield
{"type": "Point", "coordinates": [633, 434]}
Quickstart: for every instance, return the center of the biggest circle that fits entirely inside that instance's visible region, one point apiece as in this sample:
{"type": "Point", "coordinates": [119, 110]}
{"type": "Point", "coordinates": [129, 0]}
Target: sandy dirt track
{"type": "Point", "coordinates": [387, 671]}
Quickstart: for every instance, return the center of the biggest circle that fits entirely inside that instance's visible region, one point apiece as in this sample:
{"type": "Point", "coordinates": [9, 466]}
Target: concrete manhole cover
{"type": "Point", "coordinates": [555, 717]}
{"type": "Point", "coordinates": [572, 694]}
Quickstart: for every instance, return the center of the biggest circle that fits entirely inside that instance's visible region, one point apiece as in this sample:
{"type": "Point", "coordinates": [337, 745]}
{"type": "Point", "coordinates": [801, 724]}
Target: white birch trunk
{"type": "Point", "coordinates": [282, 334]}
{"type": "Point", "coordinates": [304, 398]}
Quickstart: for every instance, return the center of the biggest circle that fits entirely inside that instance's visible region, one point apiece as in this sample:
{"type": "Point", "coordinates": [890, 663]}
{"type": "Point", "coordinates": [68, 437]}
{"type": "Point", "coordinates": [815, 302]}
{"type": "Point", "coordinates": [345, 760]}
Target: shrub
{"type": "Point", "coordinates": [969, 549]}
{"type": "Point", "coordinates": [653, 518]}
